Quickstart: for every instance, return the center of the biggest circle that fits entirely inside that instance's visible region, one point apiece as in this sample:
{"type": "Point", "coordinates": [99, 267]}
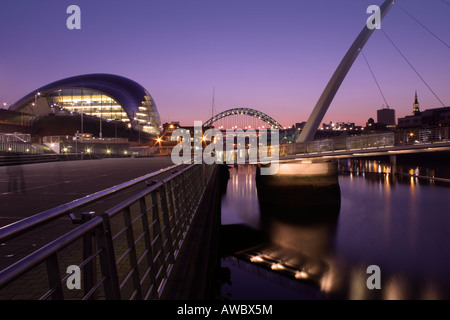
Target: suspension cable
{"type": "Point", "coordinates": [374, 78]}
{"type": "Point", "coordinates": [445, 2]}
{"type": "Point", "coordinates": [423, 26]}
{"type": "Point", "coordinates": [423, 80]}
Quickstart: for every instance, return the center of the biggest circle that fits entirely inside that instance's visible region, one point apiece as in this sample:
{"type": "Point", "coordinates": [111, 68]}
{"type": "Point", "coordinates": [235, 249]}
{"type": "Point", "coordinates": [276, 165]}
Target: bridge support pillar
{"type": "Point", "coordinates": [393, 163]}
{"type": "Point", "coordinates": [393, 159]}
{"type": "Point", "coordinates": [311, 186]}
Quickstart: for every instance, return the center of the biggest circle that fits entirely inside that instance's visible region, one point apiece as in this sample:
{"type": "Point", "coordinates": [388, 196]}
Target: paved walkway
{"type": "Point", "coordinates": [32, 188]}
{"type": "Point", "coordinates": [185, 282]}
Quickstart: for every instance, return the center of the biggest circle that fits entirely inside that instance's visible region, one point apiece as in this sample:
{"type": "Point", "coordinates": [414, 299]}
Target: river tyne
{"type": "Point", "coordinates": [398, 222]}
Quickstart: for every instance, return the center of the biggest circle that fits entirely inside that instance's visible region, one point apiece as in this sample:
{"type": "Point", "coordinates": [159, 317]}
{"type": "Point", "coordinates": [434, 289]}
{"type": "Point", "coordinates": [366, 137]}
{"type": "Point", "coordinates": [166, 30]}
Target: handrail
{"type": "Point", "coordinates": [18, 227]}
{"type": "Point", "coordinates": [20, 267]}
{"type": "Point", "coordinates": [137, 196]}
{"type": "Point", "coordinates": [153, 233]}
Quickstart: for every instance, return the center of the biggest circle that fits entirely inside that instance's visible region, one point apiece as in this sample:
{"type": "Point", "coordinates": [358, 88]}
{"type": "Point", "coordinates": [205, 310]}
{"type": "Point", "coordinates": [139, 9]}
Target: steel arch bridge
{"type": "Point", "coordinates": [247, 112]}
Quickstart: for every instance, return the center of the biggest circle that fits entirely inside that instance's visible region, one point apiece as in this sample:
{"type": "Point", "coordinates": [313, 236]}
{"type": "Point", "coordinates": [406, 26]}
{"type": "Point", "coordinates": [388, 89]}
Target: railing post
{"type": "Point", "coordinates": [148, 245]}
{"type": "Point", "coordinates": [166, 226]}
{"type": "Point", "coordinates": [132, 254]}
{"type": "Point", "coordinates": [108, 260]}
{"type": "Point", "coordinates": [157, 243]}
{"type": "Point", "coordinates": [170, 219]}
{"type": "Point", "coordinates": [54, 277]}
{"type": "Point", "coordinates": [180, 204]}
{"type": "Point", "coordinates": [90, 270]}
{"type": "Point", "coordinates": [188, 191]}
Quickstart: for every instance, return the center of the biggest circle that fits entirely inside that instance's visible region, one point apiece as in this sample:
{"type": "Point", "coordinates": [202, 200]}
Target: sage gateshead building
{"type": "Point", "coordinates": [105, 96]}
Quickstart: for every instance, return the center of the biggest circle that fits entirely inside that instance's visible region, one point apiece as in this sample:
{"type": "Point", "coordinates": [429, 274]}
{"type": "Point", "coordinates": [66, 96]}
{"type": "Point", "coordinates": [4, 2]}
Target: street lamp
{"type": "Point", "coordinates": [81, 119]}
{"type": "Point", "coordinates": [100, 135]}
{"type": "Point", "coordinates": [115, 127]}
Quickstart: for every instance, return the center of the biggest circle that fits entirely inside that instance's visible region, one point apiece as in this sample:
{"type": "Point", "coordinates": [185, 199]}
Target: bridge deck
{"type": "Point", "coordinates": [373, 151]}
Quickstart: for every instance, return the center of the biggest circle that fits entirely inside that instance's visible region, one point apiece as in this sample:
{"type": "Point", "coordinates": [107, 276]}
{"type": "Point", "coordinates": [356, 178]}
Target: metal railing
{"type": "Point", "coordinates": [63, 139]}
{"type": "Point", "coordinates": [19, 143]}
{"type": "Point", "coordinates": [126, 252]}
{"type": "Point", "coordinates": [15, 137]}
{"type": "Point", "coordinates": [361, 142]}
{"type": "Point", "coordinates": [407, 137]}
{"type": "Point", "coordinates": [422, 135]}
{"type": "Point", "coordinates": [21, 147]}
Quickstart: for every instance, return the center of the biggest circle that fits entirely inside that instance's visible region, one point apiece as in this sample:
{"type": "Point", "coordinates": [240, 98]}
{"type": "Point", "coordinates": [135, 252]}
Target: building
{"type": "Point", "coordinates": [386, 116]}
{"type": "Point", "coordinates": [105, 96]}
{"type": "Point", "coordinates": [299, 125]}
{"type": "Point", "coordinates": [374, 127]}
{"type": "Point", "coordinates": [437, 117]}
{"type": "Point", "coordinates": [416, 109]}
{"type": "Point", "coordinates": [341, 126]}
{"type": "Point", "coordinates": [169, 128]}
{"type": "Point", "coordinates": [428, 118]}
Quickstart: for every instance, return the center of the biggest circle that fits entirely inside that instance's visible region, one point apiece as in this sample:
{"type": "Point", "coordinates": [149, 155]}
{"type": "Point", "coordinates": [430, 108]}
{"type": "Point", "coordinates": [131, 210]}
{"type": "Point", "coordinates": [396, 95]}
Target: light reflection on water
{"type": "Point", "coordinates": [241, 203]}
{"type": "Point", "coordinates": [399, 223]}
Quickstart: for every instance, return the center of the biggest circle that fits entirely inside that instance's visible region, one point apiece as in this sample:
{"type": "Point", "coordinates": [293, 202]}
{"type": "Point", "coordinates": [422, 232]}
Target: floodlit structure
{"type": "Point", "coordinates": [106, 96]}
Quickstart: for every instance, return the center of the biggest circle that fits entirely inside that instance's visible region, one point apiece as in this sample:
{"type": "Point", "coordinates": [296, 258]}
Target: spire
{"type": "Point", "coordinates": [416, 109]}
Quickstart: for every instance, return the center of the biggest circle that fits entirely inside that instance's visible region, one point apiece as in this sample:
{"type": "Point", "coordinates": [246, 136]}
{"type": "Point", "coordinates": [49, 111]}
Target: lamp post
{"type": "Point", "coordinates": [36, 96]}
{"type": "Point", "coordinates": [81, 113]}
{"type": "Point", "coordinates": [100, 134]}
{"type": "Point", "coordinates": [82, 128]}
{"type": "Point", "coordinates": [115, 128]}
{"type": "Point", "coordinates": [100, 119]}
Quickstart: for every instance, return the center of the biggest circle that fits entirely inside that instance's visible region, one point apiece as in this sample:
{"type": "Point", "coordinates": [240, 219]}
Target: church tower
{"type": "Point", "coordinates": [416, 109]}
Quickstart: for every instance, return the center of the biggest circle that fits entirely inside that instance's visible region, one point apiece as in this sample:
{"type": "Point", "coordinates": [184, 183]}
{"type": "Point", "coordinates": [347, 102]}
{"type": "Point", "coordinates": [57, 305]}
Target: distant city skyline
{"type": "Point", "coordinates": [274, 56]}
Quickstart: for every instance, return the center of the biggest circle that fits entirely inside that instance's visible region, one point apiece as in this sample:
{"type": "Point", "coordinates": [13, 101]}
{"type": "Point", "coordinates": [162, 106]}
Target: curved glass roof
{"type": "Point", "coordinates": [134, 99]}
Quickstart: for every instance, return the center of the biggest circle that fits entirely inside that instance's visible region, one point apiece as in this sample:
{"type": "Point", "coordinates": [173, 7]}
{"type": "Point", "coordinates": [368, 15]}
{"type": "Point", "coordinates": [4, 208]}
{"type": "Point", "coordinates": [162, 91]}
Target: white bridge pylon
{"type": "Point", "coordinates": [338, 77]}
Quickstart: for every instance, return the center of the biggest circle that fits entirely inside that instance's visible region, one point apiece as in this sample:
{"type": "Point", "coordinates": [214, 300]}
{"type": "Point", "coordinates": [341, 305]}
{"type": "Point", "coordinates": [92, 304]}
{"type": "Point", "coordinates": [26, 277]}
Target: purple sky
{"type": "Point", "coordinates": [272, 55]}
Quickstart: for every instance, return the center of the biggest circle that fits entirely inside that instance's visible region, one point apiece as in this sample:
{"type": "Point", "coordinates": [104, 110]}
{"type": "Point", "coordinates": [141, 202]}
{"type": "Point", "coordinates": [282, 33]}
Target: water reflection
{"type": "Point", "coordinates": [291, 242]}
{"type": "Point", "coordinates": [429, 172]}
{"type": "Point", "coordinates": [401, 225]}
{"type": "Point", "coordinates": [241, 200]}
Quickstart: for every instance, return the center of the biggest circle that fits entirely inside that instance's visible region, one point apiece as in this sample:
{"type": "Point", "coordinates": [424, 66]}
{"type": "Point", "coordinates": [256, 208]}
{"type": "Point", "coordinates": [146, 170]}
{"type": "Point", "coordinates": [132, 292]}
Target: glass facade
{"type": "Point", "coordinates": [98, 104]}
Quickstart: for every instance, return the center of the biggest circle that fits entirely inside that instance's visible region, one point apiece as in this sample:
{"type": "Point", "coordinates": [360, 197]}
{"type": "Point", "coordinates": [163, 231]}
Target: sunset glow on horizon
{"type": "Point", "coordinates": [273, 56]}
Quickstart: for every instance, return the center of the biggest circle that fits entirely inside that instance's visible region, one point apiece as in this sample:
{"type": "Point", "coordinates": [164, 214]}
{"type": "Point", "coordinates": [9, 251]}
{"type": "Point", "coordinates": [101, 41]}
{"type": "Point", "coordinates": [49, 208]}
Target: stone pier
{"type": "Point", "coordinates": [311, 185]}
